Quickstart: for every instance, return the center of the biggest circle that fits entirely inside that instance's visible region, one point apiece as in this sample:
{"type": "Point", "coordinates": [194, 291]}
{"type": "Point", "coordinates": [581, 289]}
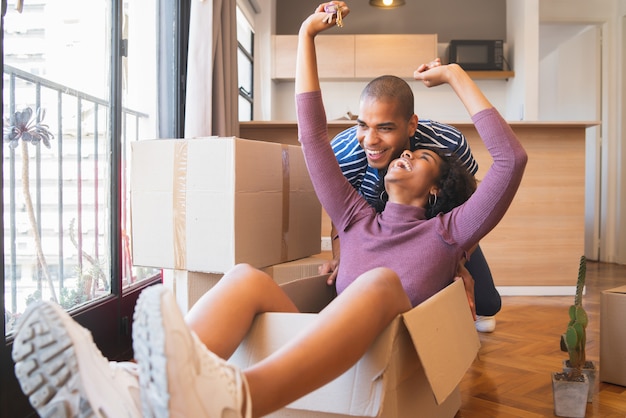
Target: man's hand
{"type": "Point", "coordinates": [331, 267]}
{"type": "Point", "coordinates": [468, 281]}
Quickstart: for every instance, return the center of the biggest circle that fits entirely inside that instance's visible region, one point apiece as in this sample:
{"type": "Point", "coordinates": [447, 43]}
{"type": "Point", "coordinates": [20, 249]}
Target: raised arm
{"type": "Point", "coordinates": [464, 87]}
{"type": "Point", "coordinates": [337, 196]}
{"type": "Point", "coordinates": [475, 218]}
{"type": "Point", "coordinates": [307, 78]}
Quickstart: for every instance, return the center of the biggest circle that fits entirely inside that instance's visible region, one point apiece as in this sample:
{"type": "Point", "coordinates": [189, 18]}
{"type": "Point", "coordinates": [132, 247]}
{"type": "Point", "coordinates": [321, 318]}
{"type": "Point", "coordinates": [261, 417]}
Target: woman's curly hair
{"type": "Point", "coordinates": [455, 184]}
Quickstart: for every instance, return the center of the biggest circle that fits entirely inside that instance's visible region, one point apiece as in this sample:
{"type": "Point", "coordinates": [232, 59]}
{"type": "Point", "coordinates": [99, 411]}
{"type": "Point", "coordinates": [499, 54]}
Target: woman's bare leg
{"type": "Point", "coordinates": [342, 333]}
{"type": "Point", "coordinates": [222, 317]}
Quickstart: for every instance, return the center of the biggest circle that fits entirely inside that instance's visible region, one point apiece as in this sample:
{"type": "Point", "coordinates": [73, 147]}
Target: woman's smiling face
{"type": "Point", "coordinates": [383, 131]}
{"type": "Point", "coordinates": [411, 178]}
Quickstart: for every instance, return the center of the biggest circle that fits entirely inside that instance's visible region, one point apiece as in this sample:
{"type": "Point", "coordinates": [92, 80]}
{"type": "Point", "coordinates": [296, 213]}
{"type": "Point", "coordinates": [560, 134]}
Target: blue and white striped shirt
{"type": "Point", "coordinates": [367, 181]}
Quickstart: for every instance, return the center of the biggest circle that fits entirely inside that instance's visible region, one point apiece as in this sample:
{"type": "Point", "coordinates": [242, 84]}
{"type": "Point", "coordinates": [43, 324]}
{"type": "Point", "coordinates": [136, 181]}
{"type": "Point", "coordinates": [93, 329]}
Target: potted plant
{"type": "Point", "coordinates": [571, 387]}
{"type": "Point", "coordinates": [25, 126]}
{"type": "Point", "coordinates": [588, 367]}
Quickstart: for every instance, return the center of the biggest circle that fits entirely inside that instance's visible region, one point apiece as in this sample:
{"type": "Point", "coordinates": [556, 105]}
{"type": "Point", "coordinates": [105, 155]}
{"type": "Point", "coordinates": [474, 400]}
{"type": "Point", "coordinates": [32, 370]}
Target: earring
{"type": "Point", "coordinates": [382, 195]}
{"type": "Point", "coordinates": [432, 199]}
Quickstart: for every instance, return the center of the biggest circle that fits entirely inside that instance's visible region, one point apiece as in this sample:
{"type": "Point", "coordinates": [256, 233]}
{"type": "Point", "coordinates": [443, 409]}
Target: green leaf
{"type": "Point", "coordinates": [571, 338]}
{"type": "Point", "coordinates": [581, 316]}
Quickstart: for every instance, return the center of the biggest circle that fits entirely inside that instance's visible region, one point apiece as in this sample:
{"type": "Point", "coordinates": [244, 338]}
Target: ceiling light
{"type": "Point", "coordinates": [386, 4]}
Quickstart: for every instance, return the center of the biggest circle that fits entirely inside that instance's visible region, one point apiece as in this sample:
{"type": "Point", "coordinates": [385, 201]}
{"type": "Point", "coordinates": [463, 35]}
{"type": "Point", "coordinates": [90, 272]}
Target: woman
{"type": "Point", "coordinates": [179, 376]}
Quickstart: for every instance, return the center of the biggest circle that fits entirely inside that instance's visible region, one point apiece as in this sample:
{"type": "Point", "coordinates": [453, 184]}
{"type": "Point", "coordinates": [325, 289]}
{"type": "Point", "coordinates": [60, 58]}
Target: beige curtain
{"type": "Point", "coordinates": [212, 96]}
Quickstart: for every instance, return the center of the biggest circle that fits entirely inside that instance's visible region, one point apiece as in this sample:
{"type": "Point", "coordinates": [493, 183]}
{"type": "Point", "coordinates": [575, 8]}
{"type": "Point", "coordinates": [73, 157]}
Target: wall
{"type": "Point", "coordinates": [473, 19]}
{"type": "Point", "coordinates": [438, 103]}
{"type": "Point", "coordinates": [609, 208]}
{"type": "Point", "coordinates": [450, 19]}
{"type": "Point", "coordinates": [564, 46]}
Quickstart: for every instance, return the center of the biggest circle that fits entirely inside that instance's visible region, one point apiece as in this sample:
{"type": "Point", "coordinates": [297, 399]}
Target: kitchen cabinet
{"type": "Point", "coordinates": [335, 56]}
{"type": "Point", "coordinates": [398, 55]}
{"type": "Point", "coordinates": [342, 57]}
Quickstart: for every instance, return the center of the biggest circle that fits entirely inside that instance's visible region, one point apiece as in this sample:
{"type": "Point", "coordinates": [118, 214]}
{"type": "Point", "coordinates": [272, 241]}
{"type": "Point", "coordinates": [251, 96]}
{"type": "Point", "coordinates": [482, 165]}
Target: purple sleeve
{"type": "Point", "coordinates": [337, 196]}
{"type": "Point", "coordinates": [471, 221]}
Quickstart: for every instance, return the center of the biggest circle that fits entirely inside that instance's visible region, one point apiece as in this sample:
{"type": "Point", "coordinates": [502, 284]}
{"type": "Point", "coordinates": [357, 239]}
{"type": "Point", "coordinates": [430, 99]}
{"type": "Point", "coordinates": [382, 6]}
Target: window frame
{"type": "Point", "coordinates": [109, 318]}
{"type": "Point", "coordinates": [247, 96]}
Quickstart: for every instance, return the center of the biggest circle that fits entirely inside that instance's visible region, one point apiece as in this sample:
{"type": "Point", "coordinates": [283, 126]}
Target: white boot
{"type": "Point", "coordinates": [179, 376]}
{"type": "Point", "coordinates": [64, 373]}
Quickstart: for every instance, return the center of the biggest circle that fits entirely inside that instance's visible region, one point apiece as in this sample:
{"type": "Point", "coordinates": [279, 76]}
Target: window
{"type": "Point", "coordinates": [62, 188]}
{"type": "Point", "coordinates": [89, 71]}
{"type": "Point", "coordinates": [245, 64]}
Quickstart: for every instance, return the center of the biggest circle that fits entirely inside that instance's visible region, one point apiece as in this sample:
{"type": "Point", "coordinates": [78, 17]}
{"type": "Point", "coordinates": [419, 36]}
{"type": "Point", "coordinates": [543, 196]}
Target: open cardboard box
{"type": "Point", "coordinates": [413, 369]}
{"type": "Point", "coordinates": [613, 336]}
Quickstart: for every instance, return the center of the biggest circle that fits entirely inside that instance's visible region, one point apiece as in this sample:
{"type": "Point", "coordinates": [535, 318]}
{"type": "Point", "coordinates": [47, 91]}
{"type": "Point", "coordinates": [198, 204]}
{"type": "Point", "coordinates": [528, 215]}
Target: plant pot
{"type": "Point", "coordinates": [570, 397]}
{"type": "Point", "coordinates": [589, 370]}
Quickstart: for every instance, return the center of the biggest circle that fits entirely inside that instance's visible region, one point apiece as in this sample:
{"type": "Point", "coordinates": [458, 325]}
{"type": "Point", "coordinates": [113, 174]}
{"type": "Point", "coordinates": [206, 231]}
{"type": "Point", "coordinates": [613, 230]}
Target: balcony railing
{"type": "Point", "coordinates": [69, 189]}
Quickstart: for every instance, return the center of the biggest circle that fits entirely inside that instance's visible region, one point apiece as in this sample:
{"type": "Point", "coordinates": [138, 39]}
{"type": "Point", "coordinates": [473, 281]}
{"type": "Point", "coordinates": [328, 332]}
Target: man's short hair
{"type": "Point", "coordinates": [389, 87]}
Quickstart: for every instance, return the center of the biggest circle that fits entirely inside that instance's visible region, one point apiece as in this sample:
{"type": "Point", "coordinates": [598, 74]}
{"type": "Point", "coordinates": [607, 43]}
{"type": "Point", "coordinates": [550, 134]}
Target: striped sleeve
{"type": "Point", "coordinates": [350, 156]}
{"type": "Point", "coordinates": [353, 162]}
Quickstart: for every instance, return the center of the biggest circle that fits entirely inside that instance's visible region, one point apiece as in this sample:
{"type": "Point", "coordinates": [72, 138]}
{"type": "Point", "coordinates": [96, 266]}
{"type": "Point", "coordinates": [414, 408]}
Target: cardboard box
{"type": "Point", "coordinates": [206, 204]}
{"type": "Point", "coordinates": [189, 286]}
{"type": "Point", "coordinates": [413, 369]}
{"type": "Point", "coordinates": [613, 336]}
{"type": "Point", "coordinates": [297, 269]}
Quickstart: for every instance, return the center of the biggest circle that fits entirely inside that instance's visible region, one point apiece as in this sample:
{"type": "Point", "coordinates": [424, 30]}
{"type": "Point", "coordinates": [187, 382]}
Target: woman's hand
{"type": "Point", "coordinates": [425, 67]}
{"type": "Point", "coordinates": [435, 74]}
{"type": "Point", "coordinates": [321, 20]}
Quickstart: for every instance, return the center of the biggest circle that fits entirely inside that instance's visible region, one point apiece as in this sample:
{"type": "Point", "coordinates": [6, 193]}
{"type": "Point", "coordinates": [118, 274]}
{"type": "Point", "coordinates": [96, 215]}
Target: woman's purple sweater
{"type": "Point", "coordinates": [423, 252]}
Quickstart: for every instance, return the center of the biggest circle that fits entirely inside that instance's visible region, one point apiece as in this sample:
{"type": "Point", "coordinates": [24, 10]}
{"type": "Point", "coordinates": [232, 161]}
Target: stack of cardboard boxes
{"type": "Point", "coordinates": [200, 206]}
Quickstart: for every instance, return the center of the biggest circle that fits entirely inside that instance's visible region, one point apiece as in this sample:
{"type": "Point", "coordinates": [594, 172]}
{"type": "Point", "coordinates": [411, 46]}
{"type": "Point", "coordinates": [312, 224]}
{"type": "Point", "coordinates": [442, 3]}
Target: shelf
{"type": "Point", "coordinates": [491, 75]}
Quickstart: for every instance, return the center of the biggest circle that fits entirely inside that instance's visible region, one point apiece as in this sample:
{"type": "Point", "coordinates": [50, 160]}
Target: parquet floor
{"type": "Point", "coordinates": [512, 375]}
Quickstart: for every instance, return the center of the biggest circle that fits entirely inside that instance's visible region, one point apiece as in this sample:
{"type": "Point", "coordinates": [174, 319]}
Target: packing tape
{"type": "Point", "coordinates": [285, 232]}
{"type": "Point", "coordinates": [180, 204]}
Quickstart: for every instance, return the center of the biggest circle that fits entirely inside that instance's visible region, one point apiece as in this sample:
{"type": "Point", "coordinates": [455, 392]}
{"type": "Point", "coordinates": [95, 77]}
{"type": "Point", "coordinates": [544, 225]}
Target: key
{"type": "Point", "coordinates": [331, 10]}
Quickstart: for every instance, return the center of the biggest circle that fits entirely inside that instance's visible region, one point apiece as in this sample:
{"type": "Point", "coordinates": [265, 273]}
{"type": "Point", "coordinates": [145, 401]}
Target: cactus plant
{"type": "Point", "coordinates": [573, 387]}
{"type": "Point", "coordinates": [575, 336]}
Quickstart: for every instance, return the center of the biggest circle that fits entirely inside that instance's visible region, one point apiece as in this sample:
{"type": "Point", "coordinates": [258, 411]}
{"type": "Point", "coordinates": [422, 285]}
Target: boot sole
{"type": "Point", "coordinates": [148, 343]}
{"type": "Point", "coordinates": [46, 363]}
{"type": "Point", "coordinates": [62, 371]}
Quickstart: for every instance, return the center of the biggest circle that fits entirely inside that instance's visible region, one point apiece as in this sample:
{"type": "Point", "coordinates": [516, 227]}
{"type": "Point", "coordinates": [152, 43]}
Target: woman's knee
{"type": "Point", "coordinates": [383, 280]}
{"type": "Point", "coordinates": [252, 276]}
{"type": "Point", "coordinates": [258, 288]}
{"type": "Point", "coordinates": [381, 289]}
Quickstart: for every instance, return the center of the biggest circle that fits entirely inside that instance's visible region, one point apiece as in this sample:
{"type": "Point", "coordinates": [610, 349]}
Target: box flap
{"type": "Point", "coordinates": [444, 336]}
{"type": "Point", "coordinates": [310, 294]}
{"type": "Point", "coordinates": [620, 289]}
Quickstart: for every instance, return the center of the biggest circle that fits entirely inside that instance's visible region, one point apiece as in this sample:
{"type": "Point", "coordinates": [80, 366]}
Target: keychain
{"type": "Point", "coordinates": [331, 10]}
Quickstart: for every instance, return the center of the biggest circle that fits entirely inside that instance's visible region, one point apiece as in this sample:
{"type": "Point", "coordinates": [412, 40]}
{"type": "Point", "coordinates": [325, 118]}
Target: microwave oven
{"type": "Point", "coordinates": [477, 55]}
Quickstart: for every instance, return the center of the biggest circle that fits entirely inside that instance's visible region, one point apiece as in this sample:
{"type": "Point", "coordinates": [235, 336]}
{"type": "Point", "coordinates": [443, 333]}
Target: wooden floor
{"type": "Point", "coordinates": [512, 375]}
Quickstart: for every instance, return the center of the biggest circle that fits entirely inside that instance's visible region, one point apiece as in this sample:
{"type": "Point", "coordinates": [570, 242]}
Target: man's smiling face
{"type": "Point", "coordinates": [383, 131]}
